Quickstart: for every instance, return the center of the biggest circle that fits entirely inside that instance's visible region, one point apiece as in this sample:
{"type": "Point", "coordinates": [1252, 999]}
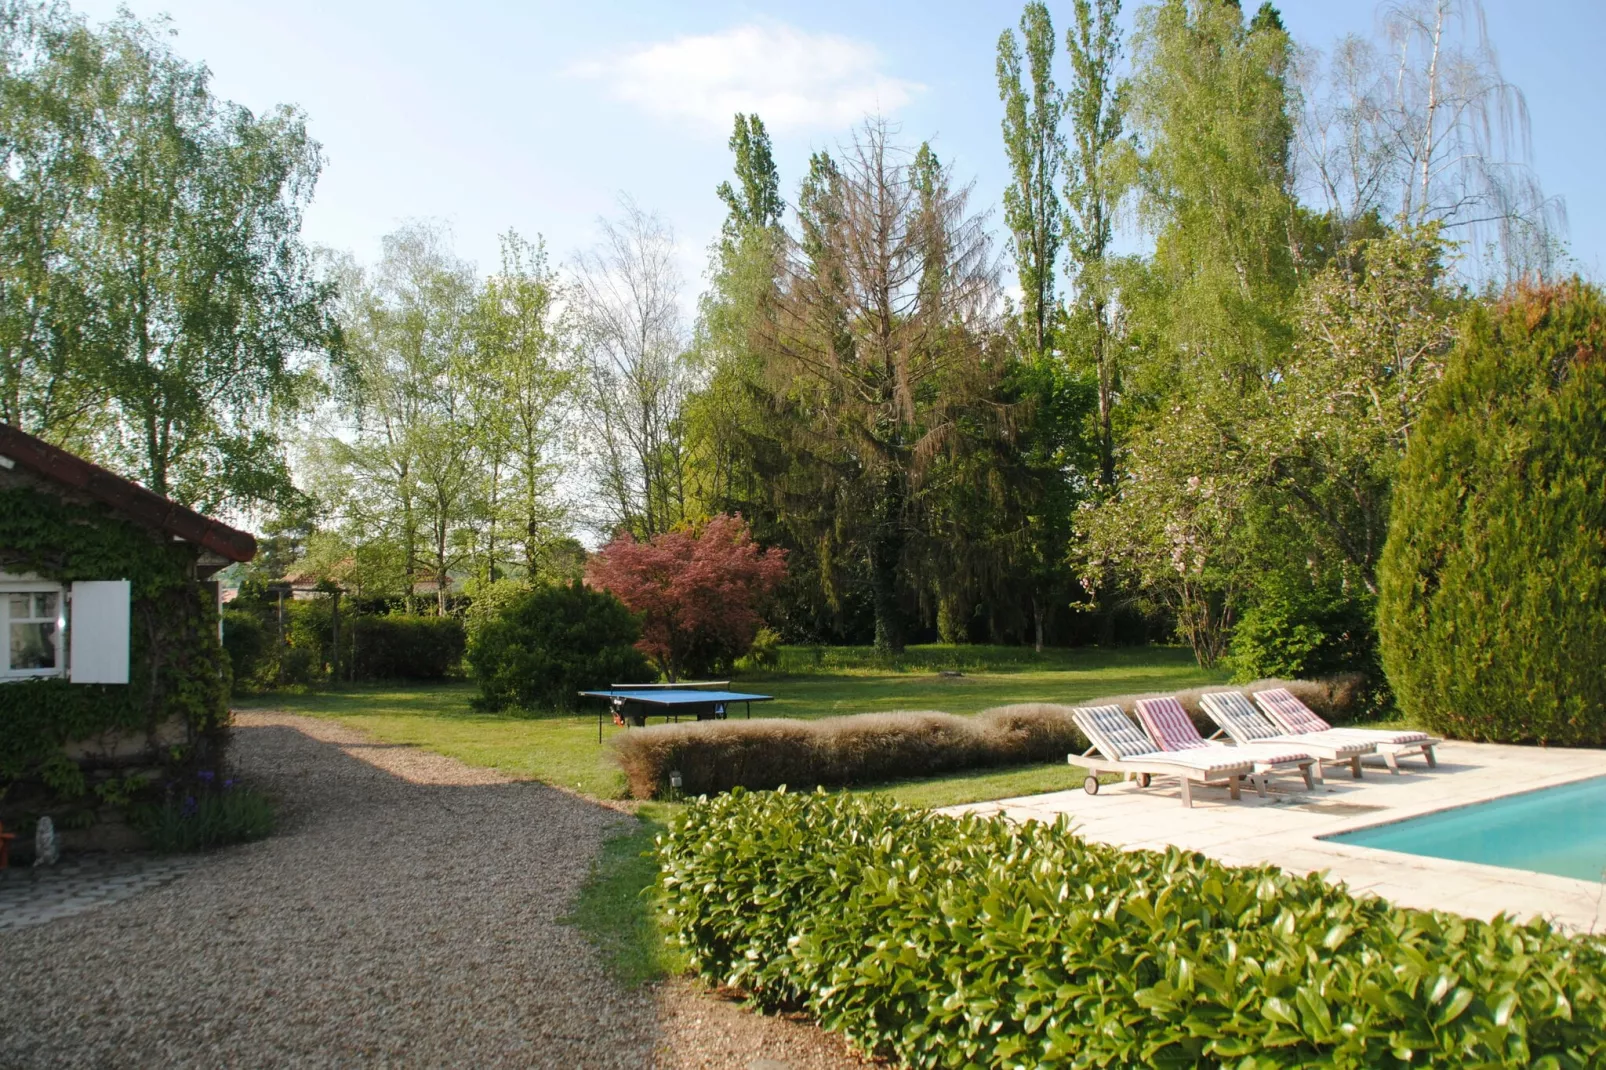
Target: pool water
{"type": "Point", "coordinates": [1559, 830]}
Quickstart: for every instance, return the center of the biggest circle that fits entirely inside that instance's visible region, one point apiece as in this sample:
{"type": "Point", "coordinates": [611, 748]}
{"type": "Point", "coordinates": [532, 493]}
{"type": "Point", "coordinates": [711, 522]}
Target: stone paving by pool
{"type": "Point", "coordinates": [34, 895]}
{"type": "Point", "coordinates": [1286, 828]}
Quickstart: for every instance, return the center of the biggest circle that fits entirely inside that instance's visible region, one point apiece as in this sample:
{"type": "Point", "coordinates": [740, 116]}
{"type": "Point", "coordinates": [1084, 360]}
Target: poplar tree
{"type": "Point", "coordinates": [1036, 151]}
{"type": "Point", "coordinates": [1093, 190]}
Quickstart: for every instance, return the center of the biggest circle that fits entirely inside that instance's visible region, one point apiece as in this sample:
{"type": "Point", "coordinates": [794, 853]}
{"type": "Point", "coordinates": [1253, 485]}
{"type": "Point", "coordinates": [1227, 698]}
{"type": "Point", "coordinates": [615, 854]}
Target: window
{"type": "Point", "coordinates": [30, 632]}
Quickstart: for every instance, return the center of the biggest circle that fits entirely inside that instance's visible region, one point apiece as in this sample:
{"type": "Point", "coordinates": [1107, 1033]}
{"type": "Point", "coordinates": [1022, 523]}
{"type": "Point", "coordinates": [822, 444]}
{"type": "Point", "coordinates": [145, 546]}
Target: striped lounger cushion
{"type": "Point", "coordinates": [1299, 718]}
{"type": "Point", "coordinates": [1173, 729]}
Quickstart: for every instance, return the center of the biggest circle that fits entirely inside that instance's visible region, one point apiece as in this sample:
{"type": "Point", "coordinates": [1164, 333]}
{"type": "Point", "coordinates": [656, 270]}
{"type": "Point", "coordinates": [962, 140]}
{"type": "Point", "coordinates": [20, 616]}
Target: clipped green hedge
{"type": "Point", "coordinates": [1492, 585]}
{"type": "Point", "coordinates": [945, 942]}
{"type": "Point", "coordinates": [406, 646]}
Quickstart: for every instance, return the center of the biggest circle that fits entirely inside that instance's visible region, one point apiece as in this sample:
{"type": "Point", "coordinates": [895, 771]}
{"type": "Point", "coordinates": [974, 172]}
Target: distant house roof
{"type": "Point", "coordinates": [128, 498]}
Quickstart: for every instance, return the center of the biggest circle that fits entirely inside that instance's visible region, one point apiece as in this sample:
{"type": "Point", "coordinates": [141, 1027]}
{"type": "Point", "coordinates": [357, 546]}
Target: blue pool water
{"type": "Point", "coordinates": [1559, 830]}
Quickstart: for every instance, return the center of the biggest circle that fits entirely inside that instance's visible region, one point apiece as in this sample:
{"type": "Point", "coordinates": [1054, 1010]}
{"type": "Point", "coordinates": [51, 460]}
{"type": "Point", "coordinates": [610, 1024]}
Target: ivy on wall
{"type": "Point", "coordinates": [176, 665]}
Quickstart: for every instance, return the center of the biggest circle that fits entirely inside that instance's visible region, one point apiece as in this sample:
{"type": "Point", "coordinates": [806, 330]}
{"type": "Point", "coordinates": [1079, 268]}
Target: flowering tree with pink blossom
{"type": "Point", "coordinates": [699, 591]}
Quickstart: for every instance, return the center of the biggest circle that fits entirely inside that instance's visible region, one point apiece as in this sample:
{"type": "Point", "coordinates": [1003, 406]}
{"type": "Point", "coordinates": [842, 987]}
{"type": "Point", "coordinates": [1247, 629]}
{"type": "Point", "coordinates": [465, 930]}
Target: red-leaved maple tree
{"type": "Point", "coordinates": [699, 591]}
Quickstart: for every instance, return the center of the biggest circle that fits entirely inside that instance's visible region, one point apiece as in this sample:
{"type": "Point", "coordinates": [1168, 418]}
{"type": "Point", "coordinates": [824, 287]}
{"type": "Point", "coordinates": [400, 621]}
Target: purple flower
{"type": "Point", "coordinates": [205, 775]}
{"type": "Point", "coordinates": [189, 807]}
{"type": "Point", "coordinates": [227, 784]}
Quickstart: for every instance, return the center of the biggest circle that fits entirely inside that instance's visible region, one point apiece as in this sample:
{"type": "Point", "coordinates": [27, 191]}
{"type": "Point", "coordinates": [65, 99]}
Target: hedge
{"type": "Point", "coordinates": [957, 942]}
{"type": "Point", "coordinates": [406, 647]}
{"type": "Point", "coordinates": [1492, 585]}
{"type": "Point", "coordinates": [394, 646]}
{"type": "Point", "coordinates": [869, 748]}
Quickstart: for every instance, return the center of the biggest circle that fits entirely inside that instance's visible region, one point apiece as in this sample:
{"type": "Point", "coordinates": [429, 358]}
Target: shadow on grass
{"type": "Point", "coordinates": [617, 910]}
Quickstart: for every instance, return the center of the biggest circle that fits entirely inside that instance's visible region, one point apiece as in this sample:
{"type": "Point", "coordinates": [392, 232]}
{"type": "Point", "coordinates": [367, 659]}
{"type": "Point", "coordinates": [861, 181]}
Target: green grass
{"type": "Point", "coordinates": [613, 909]}
{"type": "Point", "coordinates": [561, 749]}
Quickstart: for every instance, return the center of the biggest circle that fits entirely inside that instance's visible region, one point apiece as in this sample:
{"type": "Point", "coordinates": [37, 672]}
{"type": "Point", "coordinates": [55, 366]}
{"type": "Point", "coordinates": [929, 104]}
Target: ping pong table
{"type": "Point", "coordinates": [633, 705]}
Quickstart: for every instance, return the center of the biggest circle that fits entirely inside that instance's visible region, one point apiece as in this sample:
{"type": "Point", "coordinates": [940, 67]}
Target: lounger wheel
{"type": "Point", "coordinates": [1143, 780]}
{"type": "Point", "coordinates": [1091, 784]}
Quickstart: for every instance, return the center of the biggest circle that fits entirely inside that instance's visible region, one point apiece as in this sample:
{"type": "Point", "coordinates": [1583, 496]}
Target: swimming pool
{"type": "Point", "coordinates": [1560, 830]}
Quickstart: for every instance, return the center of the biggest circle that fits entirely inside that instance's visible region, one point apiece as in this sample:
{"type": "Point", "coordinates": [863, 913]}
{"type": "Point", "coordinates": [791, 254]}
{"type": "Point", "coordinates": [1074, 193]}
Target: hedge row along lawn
{"type": "Point", "coordinates": [968, 942]}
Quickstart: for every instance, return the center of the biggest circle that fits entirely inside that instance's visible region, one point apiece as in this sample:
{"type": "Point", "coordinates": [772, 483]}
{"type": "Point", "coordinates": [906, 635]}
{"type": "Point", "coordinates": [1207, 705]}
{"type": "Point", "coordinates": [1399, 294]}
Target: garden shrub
{"type": "Point", "coordinates": [552, 643]}
{"type": "Point", "coordinates": [1492, 585]}
{"type": "Point", "coordinates": [969, 942]}
{"type": "Point", "coordinates": [1299, 630]}
{"type": "Point", "coordinates": [765, 653]}
{"type": "Point", "coordinates": [247, 643]}
{"type": "Point", "coordinates": [869, 748]}
{"type": "Point", "coordinates": [405, 646]}
{"type": "Point", "coordinates": [203, 812]}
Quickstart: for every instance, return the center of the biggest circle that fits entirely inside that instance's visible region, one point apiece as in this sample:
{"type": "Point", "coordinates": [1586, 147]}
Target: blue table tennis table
{"type": "Point", "coordinates": [633, 705]}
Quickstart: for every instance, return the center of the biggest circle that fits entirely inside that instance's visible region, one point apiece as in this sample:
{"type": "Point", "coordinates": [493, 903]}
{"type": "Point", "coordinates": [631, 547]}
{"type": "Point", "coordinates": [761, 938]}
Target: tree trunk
{"type": "Point", "coordinates": [1106, 377]}
{"type": "Point", "coordinates": [886, 553]}
{"type": "Point", "coordinates": [334, 631]}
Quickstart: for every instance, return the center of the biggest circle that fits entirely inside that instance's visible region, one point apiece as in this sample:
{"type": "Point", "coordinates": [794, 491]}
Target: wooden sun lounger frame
{"type": "Point", "coordinates": [1389, 752]}
{"type": "Point", "coordinates": [1332, 757]}
{"type": "Point", "coordinates": [1141, 770]}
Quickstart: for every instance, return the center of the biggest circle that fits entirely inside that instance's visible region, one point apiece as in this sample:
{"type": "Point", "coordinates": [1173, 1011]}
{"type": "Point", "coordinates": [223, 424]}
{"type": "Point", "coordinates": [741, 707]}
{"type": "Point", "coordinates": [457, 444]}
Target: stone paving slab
{"type": "Point", "coordinates": [37, 894]}
{"type": "Point", "coordinates": [1286, 829]}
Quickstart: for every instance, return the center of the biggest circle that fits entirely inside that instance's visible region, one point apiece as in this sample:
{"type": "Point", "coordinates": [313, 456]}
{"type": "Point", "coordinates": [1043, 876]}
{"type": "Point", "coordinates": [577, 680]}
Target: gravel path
{"type": "Point", "coordinates": [406, 914]}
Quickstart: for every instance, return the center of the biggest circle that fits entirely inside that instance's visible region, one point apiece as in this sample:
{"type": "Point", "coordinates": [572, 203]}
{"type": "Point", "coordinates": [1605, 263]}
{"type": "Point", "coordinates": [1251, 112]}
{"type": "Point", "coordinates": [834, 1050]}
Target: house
{"type": "Point", "coordinates": [110, 653]}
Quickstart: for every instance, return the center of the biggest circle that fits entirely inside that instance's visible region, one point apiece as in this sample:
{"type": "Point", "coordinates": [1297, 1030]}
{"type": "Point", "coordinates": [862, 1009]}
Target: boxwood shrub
{"type": "Point", "coordinates": [948, 942]}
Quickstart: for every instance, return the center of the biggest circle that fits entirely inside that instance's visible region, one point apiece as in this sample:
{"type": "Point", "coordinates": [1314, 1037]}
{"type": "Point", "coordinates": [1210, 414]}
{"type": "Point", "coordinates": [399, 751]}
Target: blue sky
{"type": "Point", "coordinates": [492, 114]}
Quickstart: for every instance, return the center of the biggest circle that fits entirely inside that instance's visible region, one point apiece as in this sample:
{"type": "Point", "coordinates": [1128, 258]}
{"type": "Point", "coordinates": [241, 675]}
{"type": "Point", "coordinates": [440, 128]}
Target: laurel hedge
{"type": "Point", "coordinates": [960, 942]}
{"type": "Point", "coordinates": [1492, 585]}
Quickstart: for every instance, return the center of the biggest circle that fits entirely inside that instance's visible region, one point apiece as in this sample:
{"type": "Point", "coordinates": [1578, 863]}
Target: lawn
{"type": "Point", "coordinates": [562, 749]}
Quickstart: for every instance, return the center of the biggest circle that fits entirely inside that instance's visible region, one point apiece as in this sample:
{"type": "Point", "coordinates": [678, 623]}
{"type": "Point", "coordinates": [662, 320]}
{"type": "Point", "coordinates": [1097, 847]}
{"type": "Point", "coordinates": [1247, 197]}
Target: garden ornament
{"type": "Point", "coordinates": [46, 844]}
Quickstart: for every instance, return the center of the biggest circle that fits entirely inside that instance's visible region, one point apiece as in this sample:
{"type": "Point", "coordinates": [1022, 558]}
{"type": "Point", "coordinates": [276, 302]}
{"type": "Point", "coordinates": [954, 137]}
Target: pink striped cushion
{"type": "Point", "coordinates": [1169, 724]}
{"type": "Point", "coordinates": [1294, 714]}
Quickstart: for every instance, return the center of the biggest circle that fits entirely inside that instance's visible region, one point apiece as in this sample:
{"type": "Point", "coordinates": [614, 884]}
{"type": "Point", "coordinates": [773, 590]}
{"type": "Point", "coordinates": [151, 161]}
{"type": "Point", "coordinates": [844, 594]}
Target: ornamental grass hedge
{"type": "Point", "coordinates": [869, 748]}
{"type": "Point", "coordinates": [960, 942]}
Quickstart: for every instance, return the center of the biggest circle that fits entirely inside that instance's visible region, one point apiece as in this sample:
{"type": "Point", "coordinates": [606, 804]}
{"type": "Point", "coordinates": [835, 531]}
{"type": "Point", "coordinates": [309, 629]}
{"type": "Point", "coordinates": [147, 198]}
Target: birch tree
{"type": "Point", "coordinates": [1421, 127]}
{"type": "Point", "coordinates": [634, 373]}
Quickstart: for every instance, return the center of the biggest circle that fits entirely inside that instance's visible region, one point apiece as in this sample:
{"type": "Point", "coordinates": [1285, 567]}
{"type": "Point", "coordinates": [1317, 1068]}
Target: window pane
{"type": "Point", "coordinates": [44, 606]}
{"type": "Point", "coordinates": [19, 606]}
{"type": "Point", "coordinates": [33, 646]}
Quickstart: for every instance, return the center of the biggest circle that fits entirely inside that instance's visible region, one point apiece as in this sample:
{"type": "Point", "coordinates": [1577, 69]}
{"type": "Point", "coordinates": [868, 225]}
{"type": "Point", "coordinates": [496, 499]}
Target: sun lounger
{"type": "Point", "coordinates": [1169, 725]}
{"type": "Point", "coordinates": [1297, 719]}
{"type": "Point", "coordinates": [1126, 750]}
{"type": "Point", "coordinates": [1239, 718]}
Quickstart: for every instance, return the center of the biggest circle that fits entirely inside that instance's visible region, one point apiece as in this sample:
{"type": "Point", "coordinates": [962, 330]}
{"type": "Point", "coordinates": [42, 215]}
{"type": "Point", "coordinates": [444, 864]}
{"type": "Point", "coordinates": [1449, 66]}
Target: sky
{"type": "Point", "coordinates": [537, 116]}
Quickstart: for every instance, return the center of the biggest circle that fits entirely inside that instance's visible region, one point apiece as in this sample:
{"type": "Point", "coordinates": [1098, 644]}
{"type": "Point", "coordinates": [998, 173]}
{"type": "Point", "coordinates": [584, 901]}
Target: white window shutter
{"type": "Point", "coordinates": [97, 631]}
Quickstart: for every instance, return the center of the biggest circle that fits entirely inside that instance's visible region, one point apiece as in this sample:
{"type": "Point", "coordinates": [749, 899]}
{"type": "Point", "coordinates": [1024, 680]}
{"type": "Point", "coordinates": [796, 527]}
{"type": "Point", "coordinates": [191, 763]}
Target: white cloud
{"type": "Point", "coordinates": [794, 80]}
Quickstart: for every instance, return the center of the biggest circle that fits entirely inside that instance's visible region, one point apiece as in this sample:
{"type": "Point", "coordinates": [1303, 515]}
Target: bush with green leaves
{"type": "Point", "coordinates": [405, 646]}
{"type": "Point", "coordinates": [1300, 630]}
{"type": "Point", "coordinates": [203, 812]}
{"type": "Point", "coordinates": [1492, 585]}
{"type": "Point", "coordinates": [960, 942]}
{"type": "Point", "coordinates": [552, 643]}
{"type": "Point", "coordinates": [248, 644]}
